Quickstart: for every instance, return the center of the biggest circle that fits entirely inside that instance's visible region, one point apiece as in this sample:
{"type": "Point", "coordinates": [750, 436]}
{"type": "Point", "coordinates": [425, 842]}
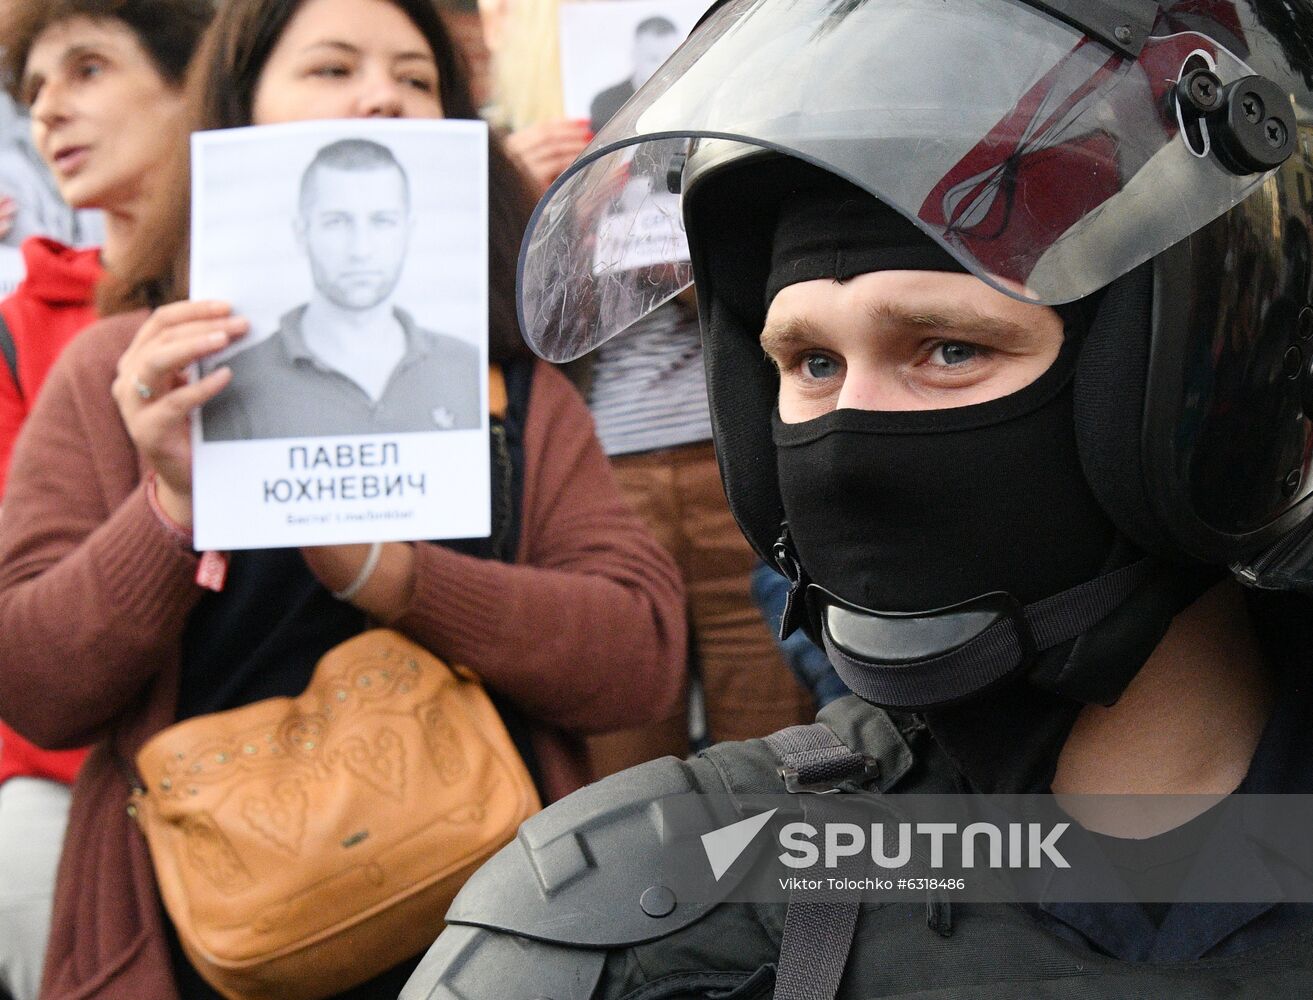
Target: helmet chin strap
{"type": "Point", "coordinates": [919, 660]}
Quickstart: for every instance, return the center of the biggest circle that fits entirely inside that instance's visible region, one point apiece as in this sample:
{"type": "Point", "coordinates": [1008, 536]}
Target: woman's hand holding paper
{"type": "Point", "coordinates": [155, 398]}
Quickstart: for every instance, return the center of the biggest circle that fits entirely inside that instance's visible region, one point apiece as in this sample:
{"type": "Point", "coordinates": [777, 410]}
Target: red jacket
{"type": "Point", "coordinates": [54, 302]}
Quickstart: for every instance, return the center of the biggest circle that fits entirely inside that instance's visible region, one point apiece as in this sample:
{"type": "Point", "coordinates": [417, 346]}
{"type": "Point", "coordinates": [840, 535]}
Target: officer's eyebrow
{"type": "Point", "coordinates": [792, 330]}
{"type": "Point", "coordinates": [952, 318]}
{"type": "Point", "coordinates": [779, 334]}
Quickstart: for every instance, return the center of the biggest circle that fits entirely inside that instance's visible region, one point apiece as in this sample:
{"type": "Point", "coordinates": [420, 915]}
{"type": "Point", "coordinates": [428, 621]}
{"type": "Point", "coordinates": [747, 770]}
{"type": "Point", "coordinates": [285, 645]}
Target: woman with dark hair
{"type": "Point", "coordinates": [104, 86]}
{"type": "Point", "coordinates": [574, 621]}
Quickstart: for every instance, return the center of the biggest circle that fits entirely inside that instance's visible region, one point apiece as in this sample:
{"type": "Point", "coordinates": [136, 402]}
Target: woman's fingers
{"type": "Point", "coordinates": [229, 325]}
{"type": "Point", "coordinates": [549, 129]}
{"type": "Point", "coordinates": [230, 328]}
{"type": "Point", "coordinates": [548, 139]}
{"type": "Point", "coordinates": [564, 140]}
{"type": "Point", "coordinates": [544, 150]}
{"type": "Point", "coordinates": [573, 127]}
{"type": "Point", "coordinates": [150, 387]}
{"type": "Point", "coordinates": [162, 435]}
{"type": "Point", "coordinates": [154, 423]}
{"type": "Point", "coordinates": [170, 356]}
{"type": "Point", "coordinates": [543, 170]}
{"type": "Point", "coordinates": [179, 402]}
{"type": "Point", "coordinates": [148, 368]}
{"type": "Point", "coordinates": [554, 148]}
{"type": "Point", "coordinates": [559, 162]}
{"type": "Point", "coordinates": [166, 318]}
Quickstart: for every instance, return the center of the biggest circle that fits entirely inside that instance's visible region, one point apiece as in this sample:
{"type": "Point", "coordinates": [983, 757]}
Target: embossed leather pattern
{"type": "Point", "coordinates": [303, 845]}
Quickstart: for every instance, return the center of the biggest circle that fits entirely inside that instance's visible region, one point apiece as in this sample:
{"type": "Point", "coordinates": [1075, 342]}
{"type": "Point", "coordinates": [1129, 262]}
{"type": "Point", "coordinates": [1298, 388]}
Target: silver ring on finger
{"type": "Point", "coordinates": [144, 392]}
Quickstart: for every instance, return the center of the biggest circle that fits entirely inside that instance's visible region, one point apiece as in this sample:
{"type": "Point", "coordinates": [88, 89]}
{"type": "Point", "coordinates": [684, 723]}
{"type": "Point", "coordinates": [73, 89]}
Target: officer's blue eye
{"type": "Point", "coordinates": [955, 353]}
{"type": "Point", "coordinates": [819, 366]}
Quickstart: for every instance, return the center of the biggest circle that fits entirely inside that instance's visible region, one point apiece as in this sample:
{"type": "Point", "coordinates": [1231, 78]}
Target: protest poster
{"type": "Point", "coordinates": [358, 406]}
{"type": "Point", "coordinates": [609, 49]}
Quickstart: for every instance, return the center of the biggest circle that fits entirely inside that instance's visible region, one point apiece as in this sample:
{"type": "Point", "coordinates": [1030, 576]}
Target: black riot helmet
{"type": "Point", "coordinates": [1150, 161]}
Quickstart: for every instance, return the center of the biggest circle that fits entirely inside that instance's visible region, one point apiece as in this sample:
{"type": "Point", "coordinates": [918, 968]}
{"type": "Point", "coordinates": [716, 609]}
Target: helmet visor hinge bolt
{"type": "Point", "coordinates": [1200, 90]}
{"type": "Point", "coordinates": [1253, 126]}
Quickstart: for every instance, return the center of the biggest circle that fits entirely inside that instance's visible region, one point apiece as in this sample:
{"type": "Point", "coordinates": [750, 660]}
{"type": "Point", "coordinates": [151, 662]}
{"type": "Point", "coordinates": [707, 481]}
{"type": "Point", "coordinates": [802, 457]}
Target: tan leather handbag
{"type": "Point", "coordinates": [304, 845]}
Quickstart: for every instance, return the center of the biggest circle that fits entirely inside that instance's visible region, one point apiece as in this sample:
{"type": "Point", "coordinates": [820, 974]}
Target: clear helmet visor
{"type": "Point", "coordinates": [1047, 163]}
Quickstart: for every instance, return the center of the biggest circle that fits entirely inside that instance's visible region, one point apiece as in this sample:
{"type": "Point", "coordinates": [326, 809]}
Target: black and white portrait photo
{"type": "Point", "coordinates": [655, 38]}
{"type": "Point", "coordinates": [610, 48]}
{"type": "Point", "coordinates": [351, 360]}
{"type": "Point", "coordinates": [359, 396]}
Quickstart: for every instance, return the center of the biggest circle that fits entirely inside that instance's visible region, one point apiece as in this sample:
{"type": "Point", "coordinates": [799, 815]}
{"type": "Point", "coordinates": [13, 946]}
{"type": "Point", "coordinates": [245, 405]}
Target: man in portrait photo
{"type": "Point", "coordinates": [349, 361]}
{"type": "Point", "coordinates": [655, 39]}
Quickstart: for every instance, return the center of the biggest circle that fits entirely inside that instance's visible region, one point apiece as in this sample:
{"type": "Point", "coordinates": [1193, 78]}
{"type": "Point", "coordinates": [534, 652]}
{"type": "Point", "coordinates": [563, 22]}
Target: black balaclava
{"type": "Point", "coordinates": [916, 511]}
{"type": "Point", "coordinates": [920, 509]}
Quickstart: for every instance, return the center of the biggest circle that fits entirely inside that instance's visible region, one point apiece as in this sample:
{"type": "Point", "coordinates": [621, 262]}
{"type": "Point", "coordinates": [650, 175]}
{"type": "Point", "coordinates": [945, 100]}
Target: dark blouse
{"type": "Point", "coordinates": [263, 634]}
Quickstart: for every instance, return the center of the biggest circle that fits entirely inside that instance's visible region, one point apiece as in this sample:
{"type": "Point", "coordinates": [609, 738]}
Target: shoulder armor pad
{"type": "Point", "coordinates": [576, 872]}
{"type": "Point", "coordinates": [471, 964]}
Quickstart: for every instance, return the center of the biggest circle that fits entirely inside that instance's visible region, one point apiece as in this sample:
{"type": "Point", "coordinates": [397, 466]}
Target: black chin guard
{"type": "Point", "coordinates": [918, 660]}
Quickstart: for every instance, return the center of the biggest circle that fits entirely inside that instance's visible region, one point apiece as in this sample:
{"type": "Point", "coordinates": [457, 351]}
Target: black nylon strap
{"type": "Point", "coordinates": [1064, 616]}
{"type": "Point", "coordinates": [818, 933]}
{"type": "Point", "coordinates": [994, 653]}
{"type": "Point", "coordinates": [815, 753]}
{"type": "Point", "coordinates": [9, 351]}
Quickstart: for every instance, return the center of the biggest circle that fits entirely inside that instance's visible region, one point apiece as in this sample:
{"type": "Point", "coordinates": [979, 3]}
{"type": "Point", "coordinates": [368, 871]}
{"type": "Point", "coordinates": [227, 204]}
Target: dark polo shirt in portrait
{"type": "Point", "coordinates": [607, 103]}
{"type": "Point", "coordinates": [280, 389]}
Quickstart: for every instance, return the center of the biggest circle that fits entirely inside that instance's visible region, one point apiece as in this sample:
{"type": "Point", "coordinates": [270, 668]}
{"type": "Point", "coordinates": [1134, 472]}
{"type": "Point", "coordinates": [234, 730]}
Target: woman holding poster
{"type": "Point", "coordinates": [112, 627]}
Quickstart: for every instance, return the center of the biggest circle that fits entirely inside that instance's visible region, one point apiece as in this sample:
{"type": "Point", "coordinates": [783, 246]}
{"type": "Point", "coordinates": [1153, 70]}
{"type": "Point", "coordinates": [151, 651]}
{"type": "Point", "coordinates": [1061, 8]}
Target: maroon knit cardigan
{"type": "Point", "coordinates": [584, 634]}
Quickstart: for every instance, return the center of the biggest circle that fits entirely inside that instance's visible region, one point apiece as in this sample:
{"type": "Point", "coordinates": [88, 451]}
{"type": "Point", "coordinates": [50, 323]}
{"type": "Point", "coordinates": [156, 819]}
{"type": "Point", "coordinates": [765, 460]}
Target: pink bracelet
{"type": "Point", "coordinates": [180, 534]}
{"type": "Point", "coordinates": [212, 570]}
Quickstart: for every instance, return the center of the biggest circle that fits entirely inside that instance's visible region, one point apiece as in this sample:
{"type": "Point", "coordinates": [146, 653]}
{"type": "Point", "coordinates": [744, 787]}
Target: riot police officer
{"type": "Point", "coordinates": [1008, 318]}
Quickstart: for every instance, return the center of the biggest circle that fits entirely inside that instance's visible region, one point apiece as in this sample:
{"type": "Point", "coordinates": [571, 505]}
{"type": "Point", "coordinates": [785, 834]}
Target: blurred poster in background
{"type": "Point", "coordinates": [610, 48]}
